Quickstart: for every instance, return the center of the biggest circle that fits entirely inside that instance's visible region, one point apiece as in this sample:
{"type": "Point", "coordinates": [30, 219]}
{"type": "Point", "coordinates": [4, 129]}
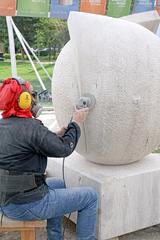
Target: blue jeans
{"type": "Point", "coordinates": [57, 202]}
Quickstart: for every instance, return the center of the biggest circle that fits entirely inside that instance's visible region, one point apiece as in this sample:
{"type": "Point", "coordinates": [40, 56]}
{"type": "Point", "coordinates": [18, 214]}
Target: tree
{"type": "Point", "coordinates": [27, 26]}
{"type": "Point", "coordinates": [51, 34]}
{"type": "Point", "coordinates": [40, 33]}
{"type": "Point", "coordinates": [3, 35]}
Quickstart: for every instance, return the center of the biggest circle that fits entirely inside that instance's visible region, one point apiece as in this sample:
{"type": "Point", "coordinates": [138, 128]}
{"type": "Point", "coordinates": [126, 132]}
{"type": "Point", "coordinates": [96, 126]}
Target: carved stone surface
{"type": "Point", "coordinates": [119, 63]}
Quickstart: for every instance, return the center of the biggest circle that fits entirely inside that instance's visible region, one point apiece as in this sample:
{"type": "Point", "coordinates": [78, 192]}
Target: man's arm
{"type": "Point", "coordinates": [52, 145]}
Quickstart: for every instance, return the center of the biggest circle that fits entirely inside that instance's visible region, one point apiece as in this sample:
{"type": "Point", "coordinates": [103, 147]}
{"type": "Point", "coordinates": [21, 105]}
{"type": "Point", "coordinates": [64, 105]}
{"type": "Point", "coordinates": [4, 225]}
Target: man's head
{"type": "Point", "coordinates": [18, 98]}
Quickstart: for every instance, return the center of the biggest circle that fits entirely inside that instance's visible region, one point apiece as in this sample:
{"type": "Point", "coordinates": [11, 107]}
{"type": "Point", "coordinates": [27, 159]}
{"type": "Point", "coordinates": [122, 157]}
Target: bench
{"type": "Point", "coordinates": [27, 229]}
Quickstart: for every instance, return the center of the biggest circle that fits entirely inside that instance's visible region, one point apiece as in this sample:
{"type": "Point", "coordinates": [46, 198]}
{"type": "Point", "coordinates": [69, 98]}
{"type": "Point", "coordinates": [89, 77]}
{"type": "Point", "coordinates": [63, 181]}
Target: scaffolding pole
{"type": "Point", "coordinates": [11, 47]}
{"type": "Point", "coordinates": [31, 50]}
{"type": "Point", "coordinates": [28, 55]}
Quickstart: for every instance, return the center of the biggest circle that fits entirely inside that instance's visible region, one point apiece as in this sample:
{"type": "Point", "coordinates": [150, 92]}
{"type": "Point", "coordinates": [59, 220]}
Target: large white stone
{"type": "Point", "coordinates": [129, 195]}
{"type": "Point", "coordinates": [149, 19]}
{"type": "Point", "coordinates": [119, 62]}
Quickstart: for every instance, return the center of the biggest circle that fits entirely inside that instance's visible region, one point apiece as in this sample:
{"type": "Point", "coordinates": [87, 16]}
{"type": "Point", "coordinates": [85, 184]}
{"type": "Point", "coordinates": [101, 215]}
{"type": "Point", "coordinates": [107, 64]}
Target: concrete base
{"type": "Point", "coordinates": [129, 195]}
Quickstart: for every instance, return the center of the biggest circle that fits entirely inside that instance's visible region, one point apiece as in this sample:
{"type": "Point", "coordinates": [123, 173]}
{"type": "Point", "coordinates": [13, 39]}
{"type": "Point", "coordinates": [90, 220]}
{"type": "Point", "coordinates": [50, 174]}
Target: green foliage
{"type": "Point", "coordinates": [3, 35]}
{"type": "Point", "coordinates": [51, 34]}
{"type": "Point", "coordinates": [6, 56]}
{"type": "Point", "coordinates": [27, 26]}
{"type": "Point", "coordinates": [19, 56]}
{"type": "Point", "coordinates": [40, 33]}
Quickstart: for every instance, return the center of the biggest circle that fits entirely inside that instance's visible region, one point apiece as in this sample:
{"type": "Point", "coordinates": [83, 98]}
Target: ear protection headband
{"type": "Point", "coordinates": [25, 98]}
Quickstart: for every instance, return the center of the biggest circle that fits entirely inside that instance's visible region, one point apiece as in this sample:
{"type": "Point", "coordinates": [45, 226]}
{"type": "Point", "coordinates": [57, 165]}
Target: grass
{"type": "Point", "coordinates": [25, 71]}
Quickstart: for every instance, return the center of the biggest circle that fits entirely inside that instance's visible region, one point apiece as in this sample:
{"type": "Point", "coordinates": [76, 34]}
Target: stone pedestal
{"type": "Point", "coordinates": [129, 195]}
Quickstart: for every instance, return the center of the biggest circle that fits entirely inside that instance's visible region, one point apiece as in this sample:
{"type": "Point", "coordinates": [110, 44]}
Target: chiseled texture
{"type": "Point", "coordinates": [119, 63]}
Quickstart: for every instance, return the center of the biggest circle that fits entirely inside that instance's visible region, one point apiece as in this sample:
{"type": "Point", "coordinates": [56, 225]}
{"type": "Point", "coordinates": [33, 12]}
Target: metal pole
{"type": "Point", "coordinates": [27, 53]}
{"type": "Point", "coordinates": [36, 58]}
{"type": "Point", "coordinates": [31, 50]}
{"type": "Point", "coordinates": [11, 47]}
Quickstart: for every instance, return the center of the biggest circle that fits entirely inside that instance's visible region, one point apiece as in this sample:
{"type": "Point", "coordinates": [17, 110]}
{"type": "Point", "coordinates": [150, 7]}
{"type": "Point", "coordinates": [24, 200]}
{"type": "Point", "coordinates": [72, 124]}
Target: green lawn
{"type": "Point", "coordinates": [25, 71]}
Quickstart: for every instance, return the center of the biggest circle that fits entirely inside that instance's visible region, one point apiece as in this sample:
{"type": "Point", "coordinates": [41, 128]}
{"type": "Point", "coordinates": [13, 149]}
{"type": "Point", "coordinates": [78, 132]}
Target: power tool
{"type": "Point", "coordinates": [87, 100]}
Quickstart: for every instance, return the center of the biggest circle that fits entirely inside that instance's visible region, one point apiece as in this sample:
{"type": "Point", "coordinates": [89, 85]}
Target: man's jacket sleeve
{"type": "Point", "coordinates": [49, 144]}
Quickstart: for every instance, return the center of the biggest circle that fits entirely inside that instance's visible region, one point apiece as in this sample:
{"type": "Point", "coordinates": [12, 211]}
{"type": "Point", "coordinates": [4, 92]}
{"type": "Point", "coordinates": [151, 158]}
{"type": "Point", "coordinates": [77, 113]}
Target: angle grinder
{"type": "Point", "coordinates": [87, 100]}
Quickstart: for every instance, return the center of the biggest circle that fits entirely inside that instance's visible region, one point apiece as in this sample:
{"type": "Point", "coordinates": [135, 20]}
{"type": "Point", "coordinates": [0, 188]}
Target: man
{"type": "Point", "coordinates": [25, 144]}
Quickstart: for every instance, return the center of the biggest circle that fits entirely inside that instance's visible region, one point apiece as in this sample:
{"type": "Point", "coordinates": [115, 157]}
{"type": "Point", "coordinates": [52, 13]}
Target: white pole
{"type": "Point", "coordinates": [36, 58]}
{"type": "Point", "coordinates": [24, 40]}
{"type": "Point", "coordinates": [11, 47]}
{"type": "Point", "coordinates": [30, 59]}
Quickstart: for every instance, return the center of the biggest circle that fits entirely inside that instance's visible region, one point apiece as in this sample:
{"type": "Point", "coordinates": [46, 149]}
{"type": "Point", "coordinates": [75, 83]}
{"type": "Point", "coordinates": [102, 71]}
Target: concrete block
{"type": "Point", "coordinates": [129, 195]}
{"type": "Point", "coordinates": [149, 20]}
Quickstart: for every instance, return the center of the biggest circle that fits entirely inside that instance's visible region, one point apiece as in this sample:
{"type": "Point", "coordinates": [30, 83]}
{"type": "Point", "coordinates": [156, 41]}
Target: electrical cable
{"type": "Point", "coordinates": [79, 87]}
{"type": "Point", "coordinates": [2, 216]}
{"type": "Point", "coordinates": [63, 176]}
{"type": "Point", "coordinates": [63, 167]}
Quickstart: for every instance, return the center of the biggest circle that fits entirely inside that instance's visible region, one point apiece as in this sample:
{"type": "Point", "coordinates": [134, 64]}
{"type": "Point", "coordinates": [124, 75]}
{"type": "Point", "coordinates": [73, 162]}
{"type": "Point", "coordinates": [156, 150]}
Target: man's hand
{"type": "Point", "coordinates": [79, 116]}
{"type": "Point", "coordinates": [61, 131]}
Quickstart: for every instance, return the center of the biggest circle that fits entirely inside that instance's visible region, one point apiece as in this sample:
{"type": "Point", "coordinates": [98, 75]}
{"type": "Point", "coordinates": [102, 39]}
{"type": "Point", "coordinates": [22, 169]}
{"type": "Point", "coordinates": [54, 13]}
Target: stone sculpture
{"type": "Point", "coordinates": [119, 63]}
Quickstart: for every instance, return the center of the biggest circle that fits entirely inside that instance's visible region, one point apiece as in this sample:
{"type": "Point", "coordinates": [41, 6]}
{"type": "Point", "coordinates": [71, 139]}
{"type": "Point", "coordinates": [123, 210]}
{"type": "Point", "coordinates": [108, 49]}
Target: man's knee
{"type": "Point", "coordinates": [91, 193]}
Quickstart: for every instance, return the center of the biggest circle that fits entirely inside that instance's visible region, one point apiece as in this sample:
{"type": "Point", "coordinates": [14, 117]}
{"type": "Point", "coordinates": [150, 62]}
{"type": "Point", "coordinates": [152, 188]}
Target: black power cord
{"type": "Point", "coordinates": [1, 215]}
{"type": "Point", "coordinates": [63, 175]}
